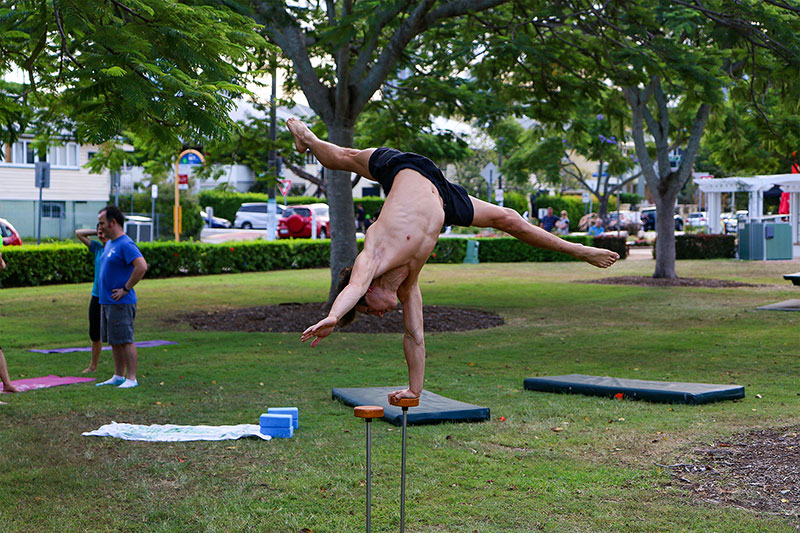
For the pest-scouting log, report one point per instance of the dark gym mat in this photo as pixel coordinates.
(432, 408)
(654, 391)
(788, 305)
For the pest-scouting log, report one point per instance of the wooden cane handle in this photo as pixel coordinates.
(368, 411)
(405, 402)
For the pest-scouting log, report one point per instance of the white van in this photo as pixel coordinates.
(254, 215)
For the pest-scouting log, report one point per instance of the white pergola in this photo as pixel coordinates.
(754, 186)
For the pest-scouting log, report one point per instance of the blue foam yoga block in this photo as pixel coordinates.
(270, 420)
(287, 411)
(278, 433)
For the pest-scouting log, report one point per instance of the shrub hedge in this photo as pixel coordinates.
(704, 246)
(47, 264)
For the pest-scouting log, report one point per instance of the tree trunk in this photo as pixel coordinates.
(665, 236)
(602, 207)
(340, 201)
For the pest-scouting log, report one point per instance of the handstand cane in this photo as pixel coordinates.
(405, 403)
(368, 412)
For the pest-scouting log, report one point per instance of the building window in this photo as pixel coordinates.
(64, 156)
(53, 209)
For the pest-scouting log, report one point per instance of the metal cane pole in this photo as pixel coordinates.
(404, 403)
(368, 412)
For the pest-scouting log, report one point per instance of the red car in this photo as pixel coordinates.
(9, 233)
(296, 221)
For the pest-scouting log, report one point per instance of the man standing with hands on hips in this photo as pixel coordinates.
(122, 267)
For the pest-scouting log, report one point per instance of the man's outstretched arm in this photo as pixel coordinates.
(413, 343)
(363, 272)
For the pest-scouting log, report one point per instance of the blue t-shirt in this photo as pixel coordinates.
(116, 267)
(594, 230)
(548, 222)
(97, 249)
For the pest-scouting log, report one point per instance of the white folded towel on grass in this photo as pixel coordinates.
(175, 433)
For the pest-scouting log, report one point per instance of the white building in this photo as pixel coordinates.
(73, 199)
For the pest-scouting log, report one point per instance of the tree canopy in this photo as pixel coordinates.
(670, 62)
(160, 68)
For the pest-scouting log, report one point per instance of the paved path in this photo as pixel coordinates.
(640, 253)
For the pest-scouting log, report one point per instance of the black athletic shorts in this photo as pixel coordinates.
(94, 319)
(385, 163)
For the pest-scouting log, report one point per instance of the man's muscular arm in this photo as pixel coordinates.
(413, 342)
(364, 270)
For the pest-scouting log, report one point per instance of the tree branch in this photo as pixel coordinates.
(64, 49)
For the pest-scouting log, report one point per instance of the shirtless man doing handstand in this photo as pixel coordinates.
(419, 201)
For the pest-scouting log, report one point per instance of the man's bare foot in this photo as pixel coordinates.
(9, 388)
(299, 131)
(89, 370)
(400, 394)
(599, 257)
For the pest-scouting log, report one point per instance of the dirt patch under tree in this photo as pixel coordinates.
(671, 282)
(296, 317)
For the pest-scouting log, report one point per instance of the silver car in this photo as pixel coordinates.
(254, 215)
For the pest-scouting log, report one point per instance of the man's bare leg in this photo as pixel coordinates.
(4, 377)
(97, 348)
(330, 155)
(492, 216)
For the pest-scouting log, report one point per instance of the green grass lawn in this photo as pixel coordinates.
(597, 474)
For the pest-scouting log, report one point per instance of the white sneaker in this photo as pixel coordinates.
(129, 384)
(115, 380)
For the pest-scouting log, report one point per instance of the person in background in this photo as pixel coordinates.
(4, 377)
(597, 229)
(361, 218)
(96, 248)
(121, 267)
(549, 220)
(562, 226)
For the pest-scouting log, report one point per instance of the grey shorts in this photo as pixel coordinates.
(116, 323)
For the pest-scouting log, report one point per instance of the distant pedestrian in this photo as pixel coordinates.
(361, 218)
(562, 226)
(549, 220)
(4, 377)
(597, 229)
(96, 248)
(122, 266)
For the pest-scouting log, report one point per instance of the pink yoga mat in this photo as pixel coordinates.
(44, 382)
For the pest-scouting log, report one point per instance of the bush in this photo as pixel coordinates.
(511, 250)
(611, 242)
(703, 246)
(72, 263)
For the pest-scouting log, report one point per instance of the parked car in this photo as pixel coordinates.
(697, 219)
(730, 223)
(296, 221)
(648, 218)
(253, 215)
(213, 221)
(9, 233)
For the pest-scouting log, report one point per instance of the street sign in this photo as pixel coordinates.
(285, 185)
(586, 198)
(498, 196)
(490, 173)
(42, 175)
